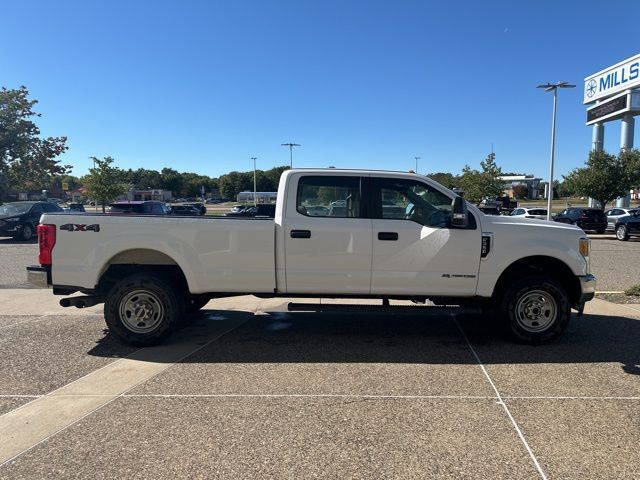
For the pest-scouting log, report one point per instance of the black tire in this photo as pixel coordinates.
(535, 309)
(25, 234)
(159, 307)
(195, 302)
(622, 233)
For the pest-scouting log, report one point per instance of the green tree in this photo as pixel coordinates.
(105, 182)
(605, 176)
(478, 184)
(26, 160)
(446, 179)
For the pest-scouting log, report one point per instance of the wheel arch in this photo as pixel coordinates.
(141, 260)
(539, 265)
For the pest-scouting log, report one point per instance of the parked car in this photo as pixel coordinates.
(613, 214)
(200, 208)
(539, 213)
(20, 219)
(213, 201)
(186, 210)
(75, 208)
(626, 226)
(149, 207)
(586, 218)
(260, 210)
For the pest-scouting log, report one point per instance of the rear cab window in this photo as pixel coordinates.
(329, 196)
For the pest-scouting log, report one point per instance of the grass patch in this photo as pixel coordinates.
(633, 291)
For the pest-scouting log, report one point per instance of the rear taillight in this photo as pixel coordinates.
(46, 241)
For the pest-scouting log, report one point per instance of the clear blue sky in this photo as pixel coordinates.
(204, 86)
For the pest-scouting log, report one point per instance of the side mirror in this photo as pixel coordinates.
(459, 214)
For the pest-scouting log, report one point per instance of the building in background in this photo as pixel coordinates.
(148, 194)
(532, 183)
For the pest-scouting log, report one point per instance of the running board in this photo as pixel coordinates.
(429, 310)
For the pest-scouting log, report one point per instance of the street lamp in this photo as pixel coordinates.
(548, 88)
(290, 145)
(255, 202)
(417, 158)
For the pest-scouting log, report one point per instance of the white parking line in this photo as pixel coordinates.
(501, 402)
(337, 395)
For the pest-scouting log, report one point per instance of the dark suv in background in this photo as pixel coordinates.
(586, 218)
(149, 207)
(20, 219)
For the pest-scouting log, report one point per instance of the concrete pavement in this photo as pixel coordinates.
(250, 390)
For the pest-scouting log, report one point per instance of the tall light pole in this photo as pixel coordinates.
(554, 88)
(255, 202)
(290, 145)
(417, 158)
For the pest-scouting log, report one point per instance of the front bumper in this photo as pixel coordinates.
(587, 288)
(39, 277)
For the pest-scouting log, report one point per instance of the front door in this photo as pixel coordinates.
(415, 252)
(327, 237)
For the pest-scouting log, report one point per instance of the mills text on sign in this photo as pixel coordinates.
(621, 76)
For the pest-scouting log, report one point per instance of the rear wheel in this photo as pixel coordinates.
(622, 233)
(141, 309)
(536, 309)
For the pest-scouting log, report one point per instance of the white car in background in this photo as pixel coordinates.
(539, 213)
(613, 214)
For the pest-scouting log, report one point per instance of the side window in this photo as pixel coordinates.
(36, 210)
(411, 200)
(329, 196)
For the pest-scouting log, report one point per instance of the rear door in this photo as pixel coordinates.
(415, 252)
(327, 236)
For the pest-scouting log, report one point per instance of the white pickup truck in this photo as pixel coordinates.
(336, 233)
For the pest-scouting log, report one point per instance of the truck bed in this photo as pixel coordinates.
(225, 254)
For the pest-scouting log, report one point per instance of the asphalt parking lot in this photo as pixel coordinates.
(249, 390)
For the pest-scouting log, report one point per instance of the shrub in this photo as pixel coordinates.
(633, 291)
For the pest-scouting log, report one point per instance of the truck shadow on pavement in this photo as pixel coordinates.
(303, 337)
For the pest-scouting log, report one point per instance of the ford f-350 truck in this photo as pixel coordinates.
(336, 233)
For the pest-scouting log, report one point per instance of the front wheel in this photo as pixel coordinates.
(622, 233)
(536, 309)
(26, 233)
(141, 309)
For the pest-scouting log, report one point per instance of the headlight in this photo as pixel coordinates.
(584, 247)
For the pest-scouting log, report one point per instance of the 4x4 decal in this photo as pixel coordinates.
(75, 227)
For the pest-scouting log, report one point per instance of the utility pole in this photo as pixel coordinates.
(553, 87)
(417, 158)
(290, 145)
(255, 202)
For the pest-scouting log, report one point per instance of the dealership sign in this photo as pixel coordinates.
(614, 108)
(622, 76)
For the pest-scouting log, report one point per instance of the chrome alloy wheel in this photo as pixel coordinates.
(141, 311)
(536, 311)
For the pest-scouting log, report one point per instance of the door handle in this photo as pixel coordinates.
(393, 236)
(300, 233)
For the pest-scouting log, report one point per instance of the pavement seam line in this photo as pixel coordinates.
(501, 402)
(115, 397)
(36, 319)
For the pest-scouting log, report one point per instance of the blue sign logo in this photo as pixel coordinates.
(591, 88)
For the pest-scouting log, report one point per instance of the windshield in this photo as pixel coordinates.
(14, 208)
